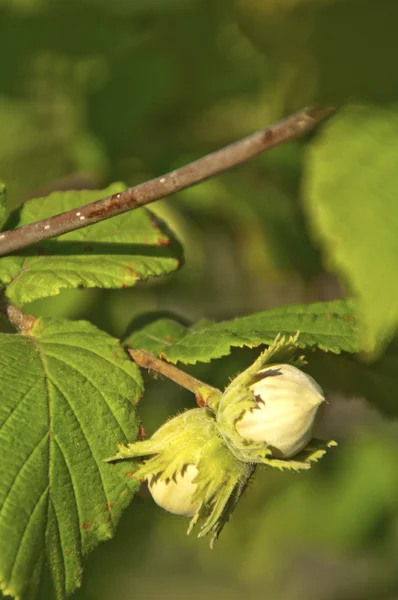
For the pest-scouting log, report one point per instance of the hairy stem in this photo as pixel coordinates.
(226, 158)
(205, 394)
(21, 321)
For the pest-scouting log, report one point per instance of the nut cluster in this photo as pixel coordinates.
(199, 463)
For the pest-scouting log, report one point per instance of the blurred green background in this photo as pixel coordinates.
(93, 91)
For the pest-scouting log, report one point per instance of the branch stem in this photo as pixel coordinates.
(212, 164)
(205, 394)
(20, 320)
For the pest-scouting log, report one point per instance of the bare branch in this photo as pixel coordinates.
(21, 321)
(212, 164)
(204, 394)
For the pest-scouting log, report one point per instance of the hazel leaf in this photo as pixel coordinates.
(115, 253)
(329, 326)
(350, 192)
(67, 392)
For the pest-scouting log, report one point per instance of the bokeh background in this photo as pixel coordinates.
(93, 91)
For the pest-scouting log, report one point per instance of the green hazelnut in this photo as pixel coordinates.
(190, 471)
(267, 414)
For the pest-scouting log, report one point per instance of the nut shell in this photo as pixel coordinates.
(175, 495)
(283, 418)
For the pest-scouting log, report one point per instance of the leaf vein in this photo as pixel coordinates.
(74, 368)
(15, 560)
(80, 548)
(56, 385)
(26, 461)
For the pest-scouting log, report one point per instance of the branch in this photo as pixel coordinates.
(212, 164)
(20, 320)
(205, 394)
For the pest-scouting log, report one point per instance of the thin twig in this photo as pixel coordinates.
(212, 164)
(21, 321)
(205, 394)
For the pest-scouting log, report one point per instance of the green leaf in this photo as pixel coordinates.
(376, 381)
(350, 189)
(3, 204)
(67, 395)
(114, 253)
(330, 326)
(327, 50)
